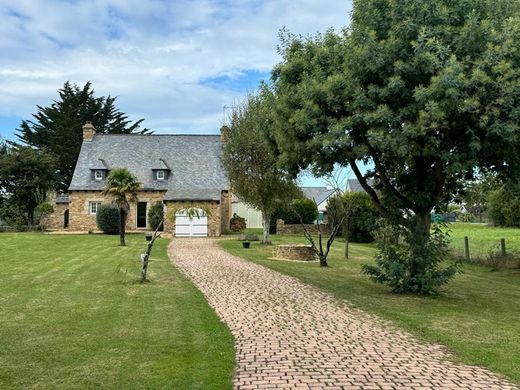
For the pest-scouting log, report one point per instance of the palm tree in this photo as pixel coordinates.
(122, 187)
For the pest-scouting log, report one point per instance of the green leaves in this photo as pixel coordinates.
(26, 177)
(121, 186)
(425, 92)
(57, 127)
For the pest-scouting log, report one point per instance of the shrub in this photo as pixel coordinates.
(413, 268)
(362, 218)
(237, 223)
(304, 208)
(504, 207)
(291, 212)
(107, 218)
(14, 217)
(156, 216)
(43, 212)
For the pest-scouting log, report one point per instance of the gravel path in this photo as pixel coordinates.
(293, 336)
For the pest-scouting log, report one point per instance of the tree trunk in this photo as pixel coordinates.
(122, 223)
(419, 240)
(267, 221)
(30, 217)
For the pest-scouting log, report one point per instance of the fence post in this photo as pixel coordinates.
(503, 247)
(466, 248)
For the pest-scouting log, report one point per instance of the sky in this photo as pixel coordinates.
(176, 63)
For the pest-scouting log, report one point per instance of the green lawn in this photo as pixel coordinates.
(69, 320)
(477, 315)
(483, 239)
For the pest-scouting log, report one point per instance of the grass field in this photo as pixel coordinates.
(483, 239)
(68, 320)
(476, 316)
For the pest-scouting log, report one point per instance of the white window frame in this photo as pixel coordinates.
(96, 174)
(91, 210)
(162, 173)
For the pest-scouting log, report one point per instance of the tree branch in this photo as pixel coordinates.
(386, 182)
(372, 193)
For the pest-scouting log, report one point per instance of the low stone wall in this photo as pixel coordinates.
(283, 228)
(295, 252)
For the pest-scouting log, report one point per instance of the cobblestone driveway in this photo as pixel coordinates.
(291, 335)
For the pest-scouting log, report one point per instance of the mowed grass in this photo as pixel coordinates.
(477, 316)
(70, 320)
(483, 239)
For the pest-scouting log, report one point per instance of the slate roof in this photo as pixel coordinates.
(318, 194)
(312, 192)
(354, 186)
(62, 198)
(193, 161)
(324, 196)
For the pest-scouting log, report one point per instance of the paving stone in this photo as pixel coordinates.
(291, 335)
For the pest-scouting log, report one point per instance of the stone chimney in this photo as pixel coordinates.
(88, 131)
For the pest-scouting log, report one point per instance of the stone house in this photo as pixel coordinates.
(174, 170)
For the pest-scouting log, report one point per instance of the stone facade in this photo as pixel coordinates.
(56, 220)
(225, 211)
(283, 228)
(80, 218)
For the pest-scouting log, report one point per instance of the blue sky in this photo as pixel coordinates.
(175, 63)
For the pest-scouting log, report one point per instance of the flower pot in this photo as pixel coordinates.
(246, 244)
(148, 237)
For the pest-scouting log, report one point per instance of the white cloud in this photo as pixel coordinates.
(152, 54)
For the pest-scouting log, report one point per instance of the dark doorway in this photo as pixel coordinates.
(66, 219)
(141, 214)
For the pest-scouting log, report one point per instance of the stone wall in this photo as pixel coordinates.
(214, 220)
(295, 252)
(225, 211)
(81, 220)
(283, 228)
(57, 219)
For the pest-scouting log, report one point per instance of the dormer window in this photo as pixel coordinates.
(98, 174)
(160, 175)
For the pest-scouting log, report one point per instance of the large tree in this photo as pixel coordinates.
(421, 92)
(57, 127)
(26, 177)
(250, 160)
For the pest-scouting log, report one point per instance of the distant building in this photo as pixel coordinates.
(353, 185)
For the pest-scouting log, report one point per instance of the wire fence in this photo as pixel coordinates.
(491, 252)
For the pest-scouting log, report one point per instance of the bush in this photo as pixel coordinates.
(42, 213)
(107, 218)
(362, 218)
(156, 216)
(304, 208)
(291, 212)
(396, 266)
(504, 207)
(237, 223)
(14, 217)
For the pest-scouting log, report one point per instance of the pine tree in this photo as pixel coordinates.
(57, 128)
